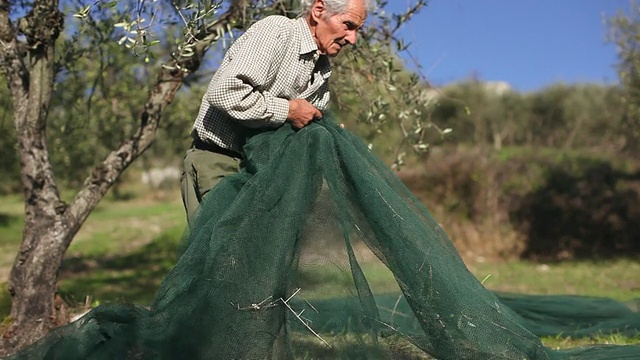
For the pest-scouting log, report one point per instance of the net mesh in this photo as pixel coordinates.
(292, 258)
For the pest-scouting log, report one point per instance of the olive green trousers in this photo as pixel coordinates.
(202, 171)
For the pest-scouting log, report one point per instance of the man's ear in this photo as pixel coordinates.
(318, 10)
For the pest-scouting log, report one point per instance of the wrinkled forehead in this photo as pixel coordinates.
(355, 12)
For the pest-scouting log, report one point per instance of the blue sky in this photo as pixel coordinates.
(527, 43)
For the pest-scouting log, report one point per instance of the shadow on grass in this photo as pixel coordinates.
(130, 278)
(6, 219)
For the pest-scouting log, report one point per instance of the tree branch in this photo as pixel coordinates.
(170, 79)
(10, 57)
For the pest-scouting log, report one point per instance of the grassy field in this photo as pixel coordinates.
(126, 248)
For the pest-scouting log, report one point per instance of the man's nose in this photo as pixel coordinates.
(351, 37)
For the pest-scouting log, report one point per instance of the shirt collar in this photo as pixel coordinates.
(307, 43)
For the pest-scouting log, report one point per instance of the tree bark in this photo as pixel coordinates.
(29, 72)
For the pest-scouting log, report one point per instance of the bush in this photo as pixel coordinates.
(532, 203)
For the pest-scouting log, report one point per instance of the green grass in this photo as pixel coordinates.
(127, 278)
(616, 279)
(117, 226)
(114, 227)
(11, 221)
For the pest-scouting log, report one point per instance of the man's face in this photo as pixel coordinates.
(333, 31)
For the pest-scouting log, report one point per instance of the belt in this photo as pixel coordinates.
(201, 145)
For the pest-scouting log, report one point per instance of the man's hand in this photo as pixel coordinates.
(301, 113)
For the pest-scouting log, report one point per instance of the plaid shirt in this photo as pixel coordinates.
(274, 61)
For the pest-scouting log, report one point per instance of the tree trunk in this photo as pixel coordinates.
(29, 72)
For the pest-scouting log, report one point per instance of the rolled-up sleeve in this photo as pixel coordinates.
(239, 90)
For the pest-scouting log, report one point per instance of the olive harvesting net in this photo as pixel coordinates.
(288, 259)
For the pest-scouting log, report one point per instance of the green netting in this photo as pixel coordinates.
(285, 261)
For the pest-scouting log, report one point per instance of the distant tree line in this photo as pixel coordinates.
(560, 116)
(567, 117)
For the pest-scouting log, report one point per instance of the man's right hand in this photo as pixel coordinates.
(301, 113)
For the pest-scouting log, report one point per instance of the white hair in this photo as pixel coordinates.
(335, 6)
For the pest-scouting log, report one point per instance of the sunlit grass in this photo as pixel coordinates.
(122, 226)
(616, 279)
(114, 227)
(563, 342)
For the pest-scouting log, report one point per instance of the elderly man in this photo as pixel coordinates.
(276, 72)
